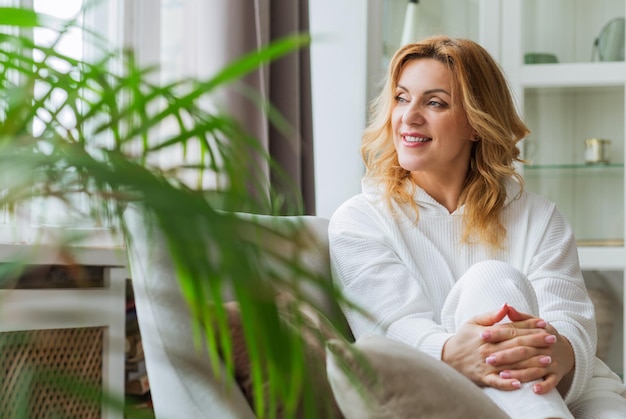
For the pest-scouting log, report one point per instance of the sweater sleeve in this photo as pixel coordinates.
(563, 299)
(389, 300)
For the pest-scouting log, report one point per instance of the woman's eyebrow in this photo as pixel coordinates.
(427, 92)
(438, 90)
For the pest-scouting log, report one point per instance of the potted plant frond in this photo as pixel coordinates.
(76, 130)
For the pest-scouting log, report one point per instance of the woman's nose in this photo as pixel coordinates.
(412, 114)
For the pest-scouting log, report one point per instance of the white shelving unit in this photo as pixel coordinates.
(564, 103)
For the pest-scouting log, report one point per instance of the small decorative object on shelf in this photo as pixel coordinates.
(540, 58)
(610, 43)
(410, 23)
(597, 151)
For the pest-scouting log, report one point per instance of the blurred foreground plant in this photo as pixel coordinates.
(73, 130)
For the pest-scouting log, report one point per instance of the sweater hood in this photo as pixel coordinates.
(373, 188)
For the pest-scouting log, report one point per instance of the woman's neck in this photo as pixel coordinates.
(445, 191)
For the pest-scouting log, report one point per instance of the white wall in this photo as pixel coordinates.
(339, 72)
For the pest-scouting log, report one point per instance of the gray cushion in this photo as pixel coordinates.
(398, 381)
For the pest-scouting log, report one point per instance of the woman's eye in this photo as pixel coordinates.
(401, 99)
(436, 104)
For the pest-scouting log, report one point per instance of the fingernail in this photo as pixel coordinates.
(485, 335)
(505, 374)
(537, 388)
(550, 339)
(490, 360)
(516, 384)
(545, 360)
(541, 324)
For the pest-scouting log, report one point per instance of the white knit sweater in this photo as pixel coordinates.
(401, 272)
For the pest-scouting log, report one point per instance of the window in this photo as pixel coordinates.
(27, 223)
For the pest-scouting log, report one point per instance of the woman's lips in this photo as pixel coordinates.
(415, 140)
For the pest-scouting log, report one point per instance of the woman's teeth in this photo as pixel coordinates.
(416, 139)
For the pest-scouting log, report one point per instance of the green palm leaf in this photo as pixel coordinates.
(98, 138)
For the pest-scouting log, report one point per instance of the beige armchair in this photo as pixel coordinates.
(182, 382)
(184, 385)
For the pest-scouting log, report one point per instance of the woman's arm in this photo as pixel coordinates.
(368, 270)
(552, 266)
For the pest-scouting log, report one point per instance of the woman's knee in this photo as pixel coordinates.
(499, 283)
(493, 270)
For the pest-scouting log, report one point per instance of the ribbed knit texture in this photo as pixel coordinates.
(401, 273)
(484, 288)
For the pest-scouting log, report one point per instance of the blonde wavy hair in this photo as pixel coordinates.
(491, 112)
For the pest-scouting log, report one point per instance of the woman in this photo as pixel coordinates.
(446, 251)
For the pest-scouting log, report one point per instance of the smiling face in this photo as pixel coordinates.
(431, 133)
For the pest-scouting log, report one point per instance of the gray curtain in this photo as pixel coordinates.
(200, 37)
(285, 84)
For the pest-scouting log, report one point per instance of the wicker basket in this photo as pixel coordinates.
(51, 373)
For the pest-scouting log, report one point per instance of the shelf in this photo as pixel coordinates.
(601, 257)
(590, 197)
(601, 243)
(603, 172)
(573, 74)
(585, 167)
(567, 29)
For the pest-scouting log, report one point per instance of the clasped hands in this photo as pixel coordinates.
(504, 355)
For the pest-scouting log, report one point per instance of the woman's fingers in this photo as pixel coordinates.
(491, 318)
(520, 324)
(535, 337)
(549, 383)
(495, 381)
(524, 350)
(519, 357)
(543, 385)
(515, 331)
(515, 315)
(511, 353)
